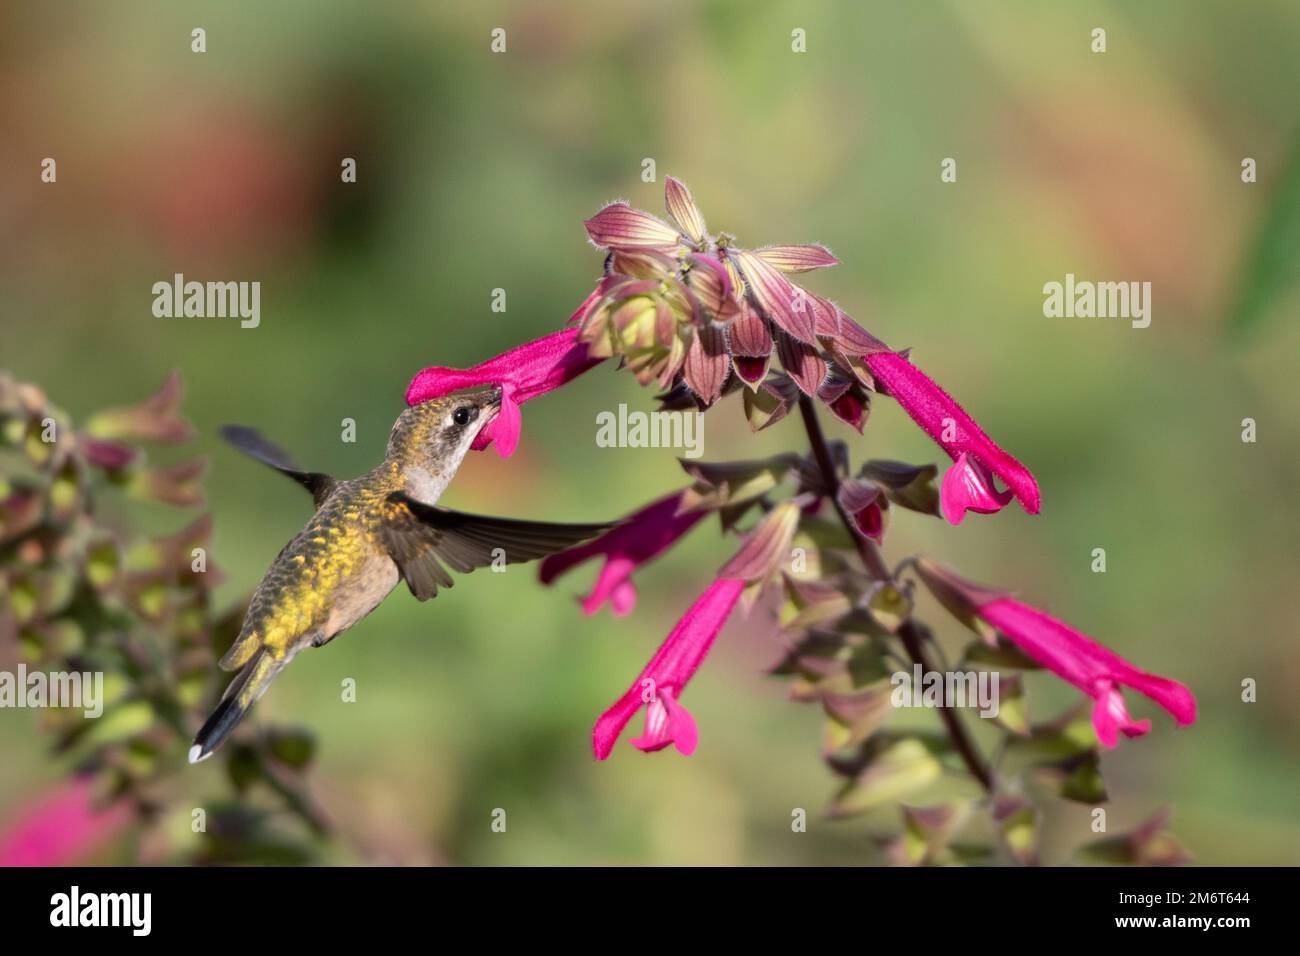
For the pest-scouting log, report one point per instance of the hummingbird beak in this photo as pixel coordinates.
(492, 405)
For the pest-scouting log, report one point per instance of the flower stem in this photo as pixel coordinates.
(912, 637)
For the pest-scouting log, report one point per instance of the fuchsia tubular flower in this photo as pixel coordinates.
(61, 829)
(532, 369)
(638, 539)
(1095, 670)
(661, 682)
(1070, 654)
(968, 485)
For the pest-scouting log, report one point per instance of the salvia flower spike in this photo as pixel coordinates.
(701, 316)
(683, 307)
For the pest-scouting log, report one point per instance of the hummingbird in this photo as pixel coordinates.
(367, 534)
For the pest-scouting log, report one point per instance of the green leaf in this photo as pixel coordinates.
(1013, 706)
(1084, 784)
(1149, 844)
(810, 603)
(854, 716)
(725, 483)
(1069, 736)
(1003, 655)
(926, 832)
(771, 403)
(911, 486)
(122, 722)
(893, 772)
(1017, 821)
(889, 606)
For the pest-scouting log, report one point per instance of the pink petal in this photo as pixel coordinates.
(533, 368)
(802, 363)
(505, 428)
(614, 574)
(623, 599)
(750, 344)
(681, 726)
(61, 829)
(620, 226)
(706, 367)
(682, 209)
(668, 722)
(673, 664)
(525, 372)
(968, 486)
(1110, 716)
(604, 735)
(776, 296)
(948, 424)
(638, 539)
(710, 282)
(798, 258)
(1094, 669)
(831, 323)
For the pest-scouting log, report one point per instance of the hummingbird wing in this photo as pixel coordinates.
(257, 446)
(421, 538)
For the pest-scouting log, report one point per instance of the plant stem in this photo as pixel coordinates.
(912, 637)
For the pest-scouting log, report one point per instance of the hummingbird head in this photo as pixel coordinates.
(429, 440)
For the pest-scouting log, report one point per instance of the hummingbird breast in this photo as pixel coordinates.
(332, 574)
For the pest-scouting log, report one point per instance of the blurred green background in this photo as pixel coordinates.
(475, 171)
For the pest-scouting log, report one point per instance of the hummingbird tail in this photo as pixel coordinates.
(249, 684)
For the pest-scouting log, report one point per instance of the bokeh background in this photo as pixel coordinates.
(475, 171)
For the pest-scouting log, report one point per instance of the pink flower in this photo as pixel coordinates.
(1094, 669)
(660, 685)
(61, 829)
(525, 372)
(968, 485)
(619, 226)
(638, 539)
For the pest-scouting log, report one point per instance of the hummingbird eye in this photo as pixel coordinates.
(462, 415)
